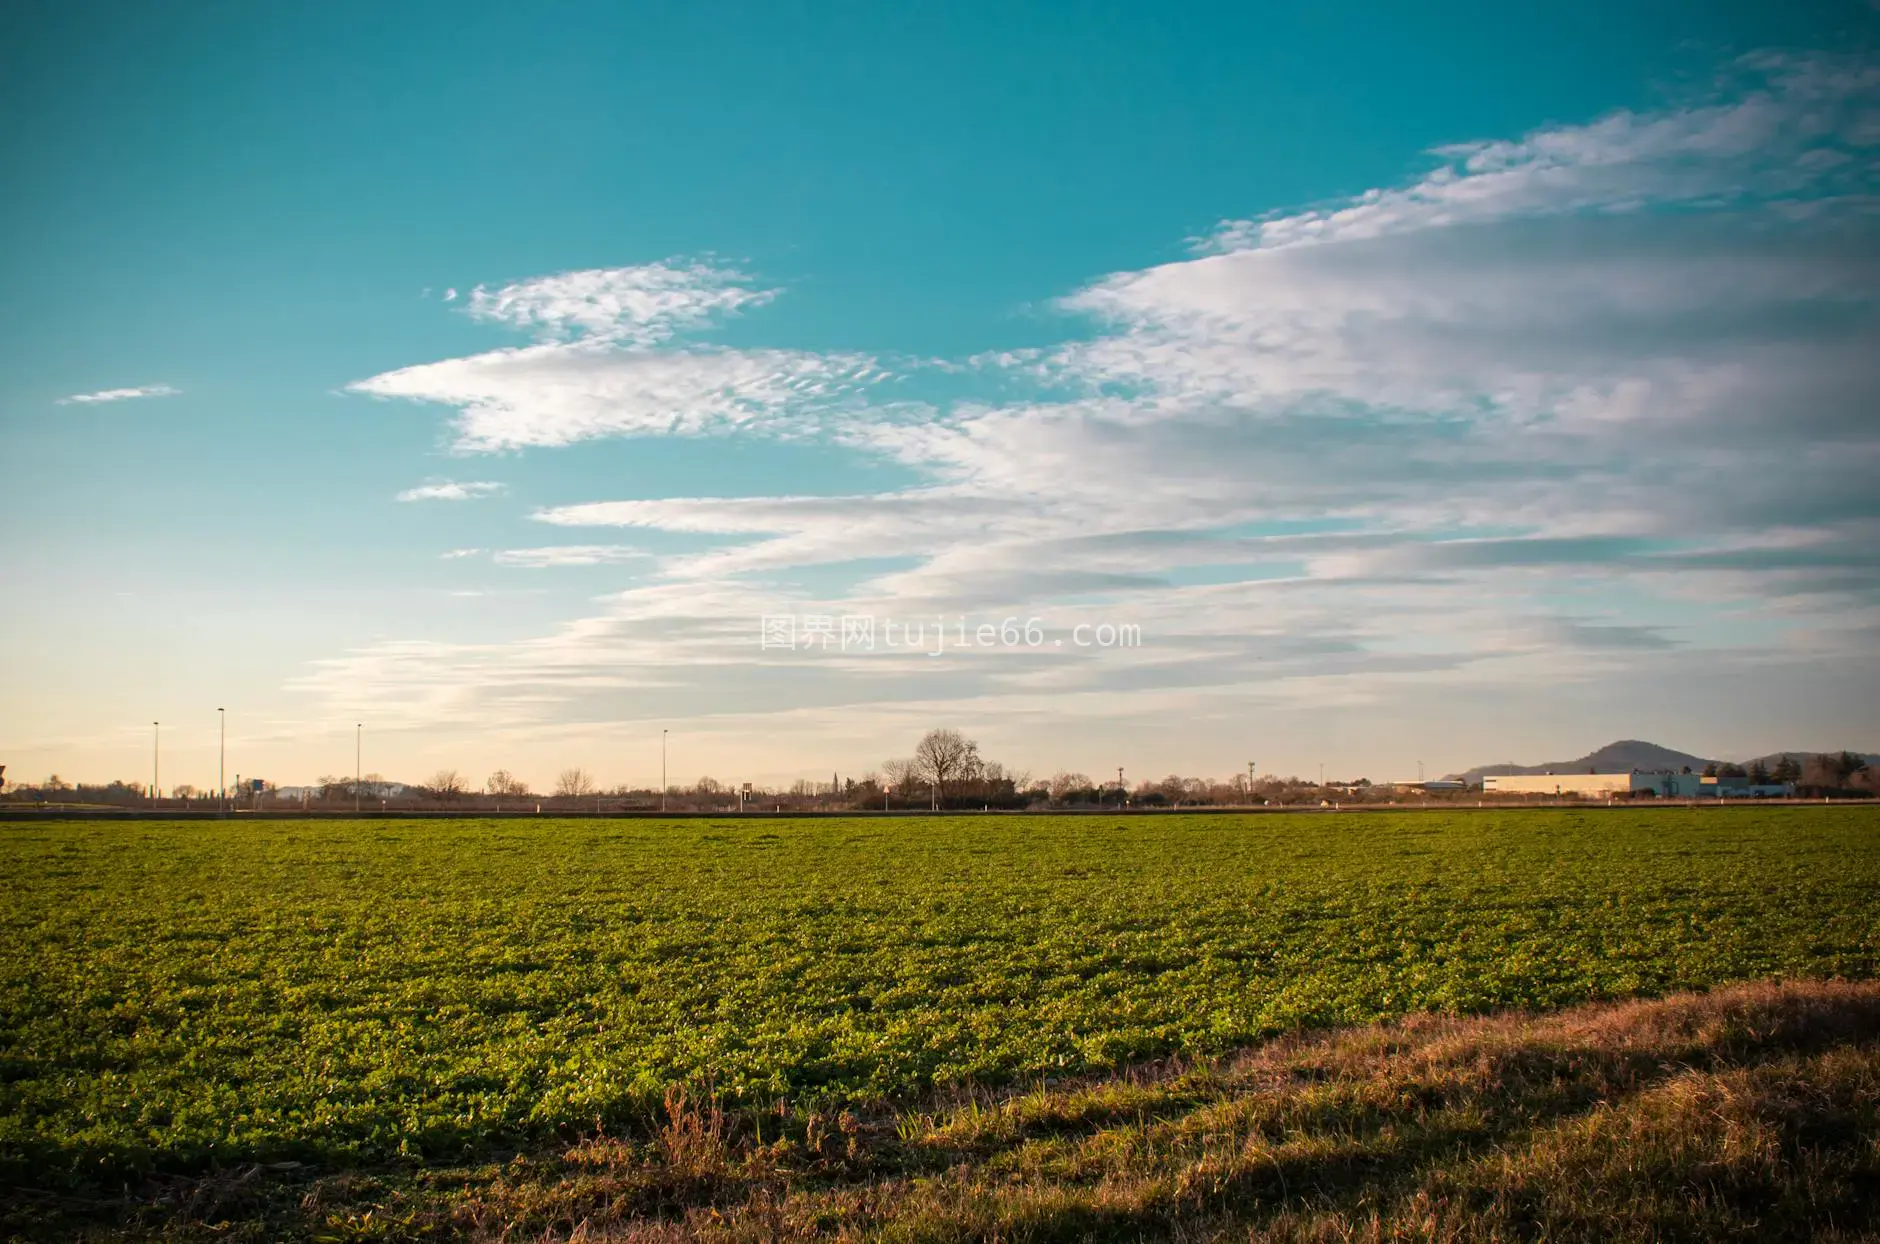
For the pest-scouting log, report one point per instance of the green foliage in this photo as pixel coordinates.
(175, 997)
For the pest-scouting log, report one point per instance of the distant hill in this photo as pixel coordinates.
(1621, 757)
(1627, 755)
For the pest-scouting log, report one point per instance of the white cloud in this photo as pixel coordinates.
(453, 490)
(605, 365)
(450, 295)
(642, 306)
(119, 395)
(569, 555)
(562, 393)
(459, 554)
(1759, 142)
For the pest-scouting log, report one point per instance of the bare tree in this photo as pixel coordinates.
(944, 756)
(447, 784)
(574, 782)
(503, 782)
(898, 774)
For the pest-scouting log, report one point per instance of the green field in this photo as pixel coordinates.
(176, 997)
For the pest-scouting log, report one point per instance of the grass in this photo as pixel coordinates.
(771, 1027)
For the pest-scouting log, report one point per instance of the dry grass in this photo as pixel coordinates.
(1748, 1113)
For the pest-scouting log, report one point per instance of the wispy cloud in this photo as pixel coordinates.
(560, 394)
(119, 395)
(640, 306)
(569, 555)
(606, 365)
(453, 490)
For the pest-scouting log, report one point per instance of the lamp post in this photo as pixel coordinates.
(358, 772)
(662, 770)
(156, 762)
(221, 763)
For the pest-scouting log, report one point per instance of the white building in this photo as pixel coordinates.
(1629, 785)
(1597, 785)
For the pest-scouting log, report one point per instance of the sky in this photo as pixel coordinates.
(503, 386)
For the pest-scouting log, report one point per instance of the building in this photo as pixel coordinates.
(1632, 785)
(1585, 785)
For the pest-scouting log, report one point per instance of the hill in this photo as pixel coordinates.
(1629, 754)
(1621, 757)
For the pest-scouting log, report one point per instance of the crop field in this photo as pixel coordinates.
(181, 999)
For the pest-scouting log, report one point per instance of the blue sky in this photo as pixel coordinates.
(1453, 385)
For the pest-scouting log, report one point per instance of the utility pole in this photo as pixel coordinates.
(359, 728)
(221, 764)
(1249, 781)
(662, 769)
(156, 762)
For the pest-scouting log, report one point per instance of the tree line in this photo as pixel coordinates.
(946, 770)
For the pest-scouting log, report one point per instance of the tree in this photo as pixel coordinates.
(1758, 773)
(573, 783)
(447, 784)
(503, 782)
(899, 775)
(1062, 784)
(1832, 771)
(1788, 769)
(944, 756)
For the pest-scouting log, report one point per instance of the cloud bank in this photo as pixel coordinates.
(1599, 398)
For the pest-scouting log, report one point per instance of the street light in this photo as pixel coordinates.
(221, 763)
(662, 770)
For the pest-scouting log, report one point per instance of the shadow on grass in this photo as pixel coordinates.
(1745, 1113)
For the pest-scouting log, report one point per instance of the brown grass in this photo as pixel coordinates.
(1749, 1113)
